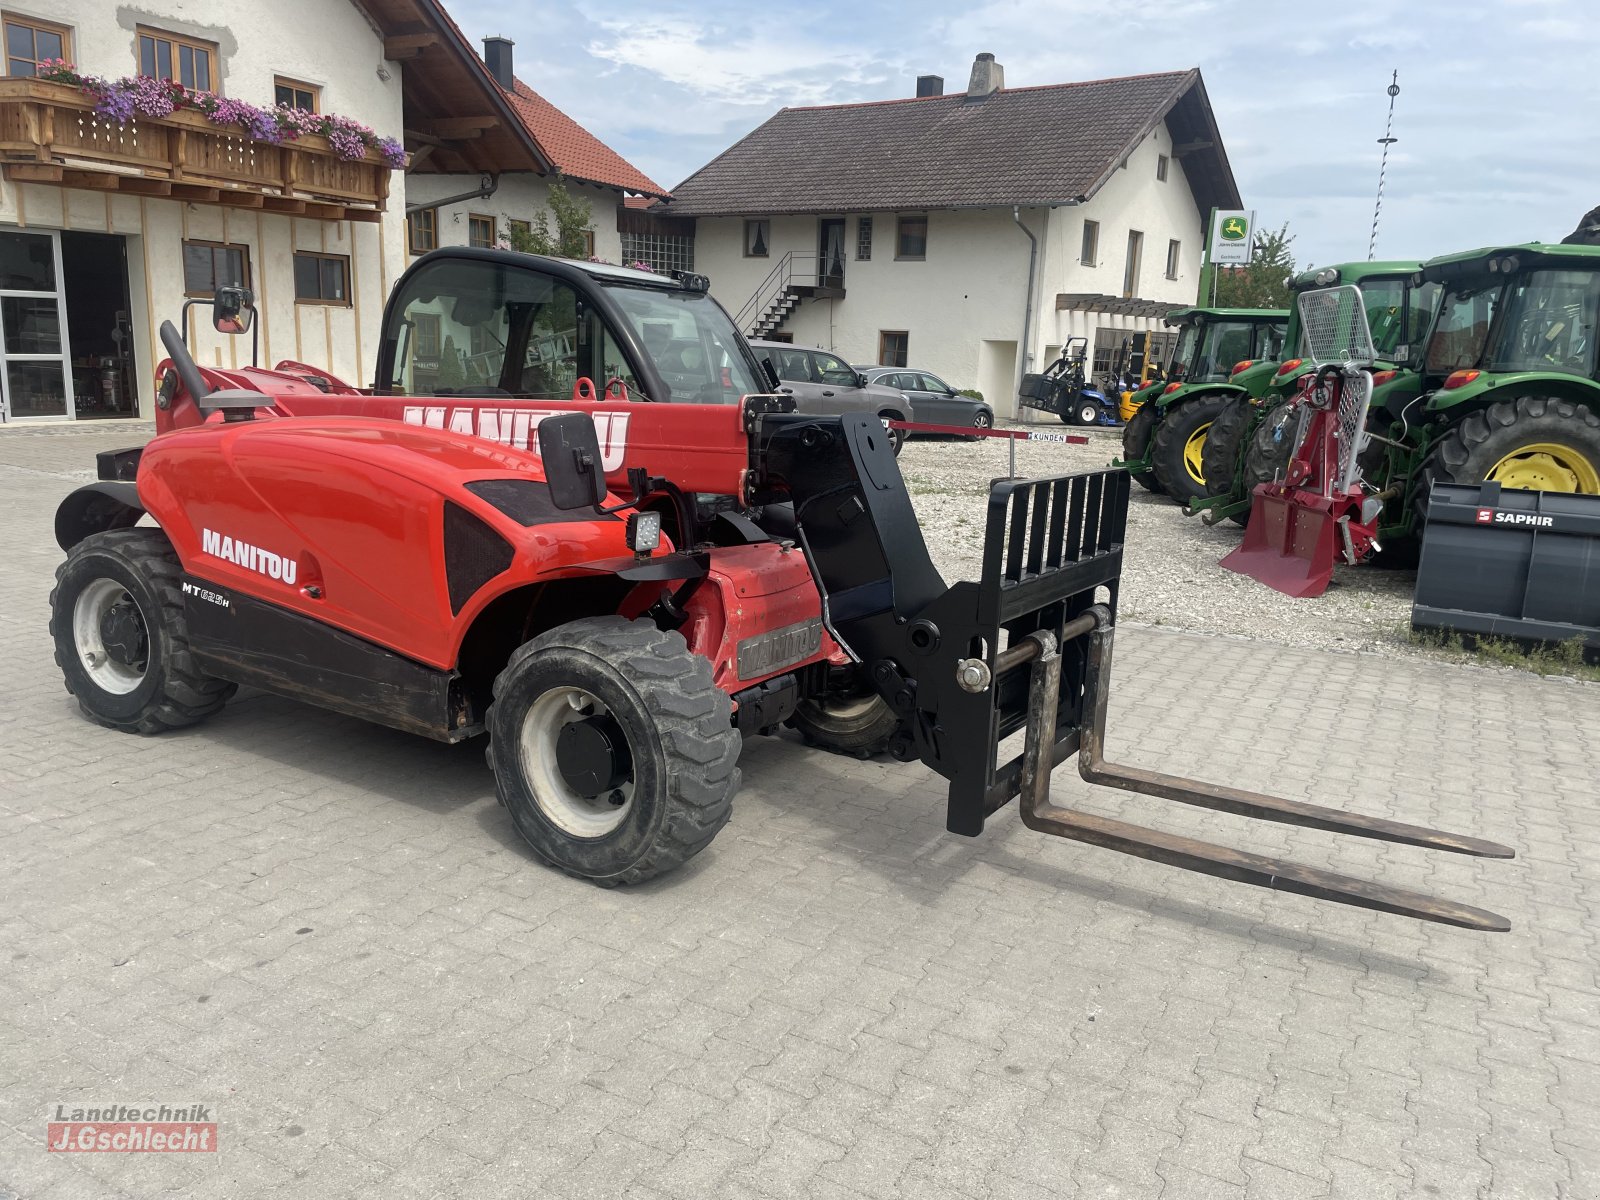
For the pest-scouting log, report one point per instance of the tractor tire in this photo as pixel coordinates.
(121, 637)
(852, 719)
(1082, 412)
(1179, 444)
(1535, 442)
(1271, 445)
(1136, 440)
(612, 749)
(1219, 460)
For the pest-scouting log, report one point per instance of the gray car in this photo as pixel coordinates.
(822, 382)
(932, 399)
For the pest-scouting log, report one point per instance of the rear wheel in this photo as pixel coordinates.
(1225, 442)
(1136, 441)
(121, 638)
(1179, 446)
(612, 749)
(1533, 442)
(1082, 412)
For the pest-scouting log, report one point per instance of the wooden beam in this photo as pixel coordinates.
(242, 199)
(195, 191)
(418, 157)
(324, 212)
(370, 215)
(34, 172)
(279, 204)
(144, 186)
(408, 45)
(457, 128)
(99, 181)
(1183, 148)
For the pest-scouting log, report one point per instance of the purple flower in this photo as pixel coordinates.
(149, 97)
(393, 152)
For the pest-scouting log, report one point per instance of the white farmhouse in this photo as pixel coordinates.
(971, 234)
(461, 205)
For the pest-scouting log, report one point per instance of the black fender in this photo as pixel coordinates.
(95, 508)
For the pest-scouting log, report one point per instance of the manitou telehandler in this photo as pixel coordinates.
(606, 548)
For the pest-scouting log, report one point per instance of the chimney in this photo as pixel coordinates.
(988, 77)
(930, 85)
(497, 57)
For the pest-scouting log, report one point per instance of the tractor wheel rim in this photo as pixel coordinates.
(118, 667)
(1548, 467)
(1192, 449)
(567, 808)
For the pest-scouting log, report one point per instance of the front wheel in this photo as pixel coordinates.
(612, 749)
(1225, 444)
(981, 420)
(121, 638)
(1136, 443)
(897, 437)
(850, 718)
(1179, 446)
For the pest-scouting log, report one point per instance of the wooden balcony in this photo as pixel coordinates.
(50, 133)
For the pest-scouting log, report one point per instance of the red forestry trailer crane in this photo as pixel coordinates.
(615, 589)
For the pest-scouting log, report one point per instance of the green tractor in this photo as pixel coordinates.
(1507, 386)
(1251, 438)
(1163, 442)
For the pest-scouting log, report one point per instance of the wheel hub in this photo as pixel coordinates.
(592, 756)
(123, 634)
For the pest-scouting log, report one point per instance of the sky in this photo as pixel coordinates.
(1498, 140)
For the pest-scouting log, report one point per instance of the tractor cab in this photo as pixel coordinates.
(1511, 311)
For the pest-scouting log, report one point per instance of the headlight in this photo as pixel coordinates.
(644, 531)
(1326, 276)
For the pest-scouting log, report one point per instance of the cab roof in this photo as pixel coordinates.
(1354, 272)
(1472, 262)
(1182, 316)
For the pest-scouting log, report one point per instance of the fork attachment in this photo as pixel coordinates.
(1026, 649)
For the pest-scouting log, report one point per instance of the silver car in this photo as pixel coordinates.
(822, 382)
(932, 399)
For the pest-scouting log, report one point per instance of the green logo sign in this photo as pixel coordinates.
(1234, 229)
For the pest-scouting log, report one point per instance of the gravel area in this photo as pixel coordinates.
(1170, 574)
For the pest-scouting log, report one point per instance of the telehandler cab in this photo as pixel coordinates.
(593, 538)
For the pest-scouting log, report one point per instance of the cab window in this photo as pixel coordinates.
(834, 370)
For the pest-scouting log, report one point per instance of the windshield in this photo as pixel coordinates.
(1462, 328)
(1225, 343)
(696, 350)
(1548, 323)
(1188, 339)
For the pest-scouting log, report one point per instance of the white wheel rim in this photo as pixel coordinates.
(575, 814)
(88, 612)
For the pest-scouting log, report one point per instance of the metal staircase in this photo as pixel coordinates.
(794, 279)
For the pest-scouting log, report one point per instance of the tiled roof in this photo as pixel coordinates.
(576, 152)
(1020, 146)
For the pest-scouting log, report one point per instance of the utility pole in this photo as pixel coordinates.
(1388, 139)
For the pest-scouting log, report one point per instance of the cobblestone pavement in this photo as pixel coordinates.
(329, 932)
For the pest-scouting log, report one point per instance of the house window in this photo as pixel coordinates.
(1130, 273)
(1174, 249)
(321, 278)
(426, 328)
(863, 238)
(1161, 168)
(588, 243)
(184, 60)
(210, 265)
(757, 238)
(307, 97)
(911, 240)
(480, 230)
(422, 230)
(1090, 254)
(29, 42)
(664, 252)
(892, 346)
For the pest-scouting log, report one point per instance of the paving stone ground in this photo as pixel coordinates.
(329, 932)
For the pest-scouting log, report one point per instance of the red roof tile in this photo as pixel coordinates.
(576, 152)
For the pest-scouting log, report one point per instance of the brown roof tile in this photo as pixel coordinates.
(576, 152)
(1026, 146)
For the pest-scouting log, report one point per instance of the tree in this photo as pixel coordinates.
(572, 215)
(1264, 283)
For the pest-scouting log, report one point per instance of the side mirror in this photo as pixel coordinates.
(231, 309)
(861, 380)
(570, 449)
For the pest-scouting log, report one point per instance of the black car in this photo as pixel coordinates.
(933, 400)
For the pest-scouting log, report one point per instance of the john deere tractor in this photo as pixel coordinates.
(1163, 443)
(1250, 440)
(1507, 387)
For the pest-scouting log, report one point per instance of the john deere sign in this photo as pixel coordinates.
(1231, 237)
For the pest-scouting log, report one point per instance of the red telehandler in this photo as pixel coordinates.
(568, 517)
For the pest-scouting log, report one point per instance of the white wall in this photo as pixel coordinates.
(971, 288)
(519, 197)
(254, 42)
